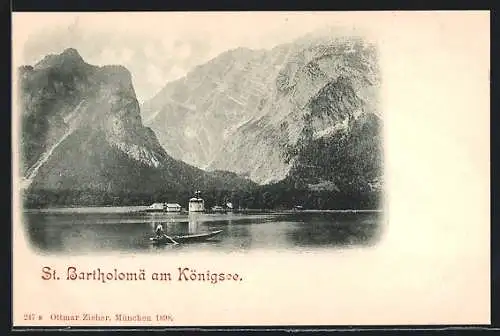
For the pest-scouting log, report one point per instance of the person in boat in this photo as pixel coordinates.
(160, 233)
(159, 230)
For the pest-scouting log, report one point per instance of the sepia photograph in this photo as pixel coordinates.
(167, 163)
(273, 144)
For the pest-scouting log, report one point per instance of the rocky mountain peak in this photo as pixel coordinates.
(248, 111)
(83, 137)
(71, 53)
(67, 59)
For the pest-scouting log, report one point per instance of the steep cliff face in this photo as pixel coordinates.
(82, 130)
(262, 113)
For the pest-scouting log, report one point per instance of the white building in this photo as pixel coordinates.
(157, 206)
(173, 207)
(196, 203)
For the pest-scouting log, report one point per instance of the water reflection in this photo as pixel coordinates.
(194, 221)
(341, 230)
(130, 232)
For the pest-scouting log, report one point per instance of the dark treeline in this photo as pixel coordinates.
(277, 197)
(285, 196)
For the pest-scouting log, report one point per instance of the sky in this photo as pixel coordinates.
(158, 47)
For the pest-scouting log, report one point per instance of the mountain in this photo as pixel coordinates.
(82, 136)
(304, 114)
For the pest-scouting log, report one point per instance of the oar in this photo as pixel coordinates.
(171, 239)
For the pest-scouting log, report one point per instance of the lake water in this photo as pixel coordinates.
(87, 230)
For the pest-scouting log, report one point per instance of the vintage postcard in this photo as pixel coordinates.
(251, 168)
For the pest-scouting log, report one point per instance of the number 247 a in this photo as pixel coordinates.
(31, 317)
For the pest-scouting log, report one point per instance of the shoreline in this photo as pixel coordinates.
(143, 210)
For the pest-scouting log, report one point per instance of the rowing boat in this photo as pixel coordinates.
(186, 238)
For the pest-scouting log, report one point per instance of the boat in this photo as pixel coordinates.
(191, 238)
